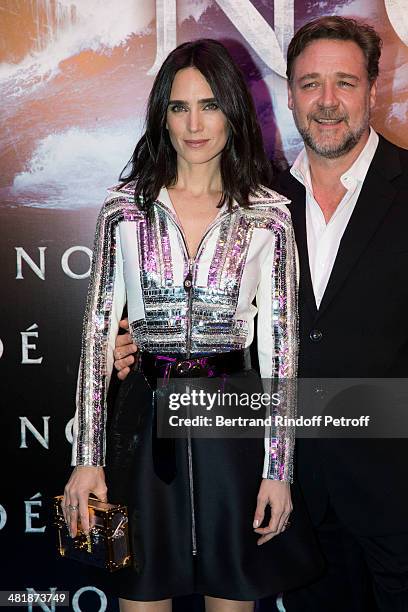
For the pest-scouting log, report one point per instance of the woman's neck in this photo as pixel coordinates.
(199, 179)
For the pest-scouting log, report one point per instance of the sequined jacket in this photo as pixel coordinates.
(141, 258)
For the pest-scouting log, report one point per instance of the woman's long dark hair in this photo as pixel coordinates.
(244, 165)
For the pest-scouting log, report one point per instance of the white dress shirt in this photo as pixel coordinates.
(323, 239)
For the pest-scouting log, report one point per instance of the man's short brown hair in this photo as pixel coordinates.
(337, 28)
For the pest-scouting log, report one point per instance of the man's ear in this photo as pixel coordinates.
(290, 96)
(373, 94)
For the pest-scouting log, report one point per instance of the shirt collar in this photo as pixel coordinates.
(355, 174)
(165, 199)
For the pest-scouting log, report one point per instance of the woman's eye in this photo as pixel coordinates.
(177, 108)
(211, 106)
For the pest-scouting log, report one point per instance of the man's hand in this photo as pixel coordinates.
(124, 349)
(276, 493)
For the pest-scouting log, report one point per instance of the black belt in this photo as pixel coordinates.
(154, 366)
(179, 366)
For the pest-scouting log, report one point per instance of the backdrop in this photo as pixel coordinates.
(74, 78)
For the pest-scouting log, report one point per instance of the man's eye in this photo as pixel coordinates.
(177, 108)
(311, 85)
(211, 106)
(346, 84)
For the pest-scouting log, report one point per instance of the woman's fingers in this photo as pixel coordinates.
(63, 508)
(277, 525)
(259, 511)
(277, 495)
(83, 480)
(284, 521)
(276, 514)
(265, 538)
(272, 528)
(73, 513)
(78, 511)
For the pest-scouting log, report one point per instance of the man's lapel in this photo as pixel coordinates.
(374, 200)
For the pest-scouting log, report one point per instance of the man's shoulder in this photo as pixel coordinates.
(401, 151)
(284, 176)
(385, 143)
(390, 159)
(286, 184)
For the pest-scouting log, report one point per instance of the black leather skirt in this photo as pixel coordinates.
(191, 504)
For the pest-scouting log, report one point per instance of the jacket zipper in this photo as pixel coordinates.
(188, 286)
(191, 490)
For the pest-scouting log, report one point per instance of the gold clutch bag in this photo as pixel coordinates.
(106, 546)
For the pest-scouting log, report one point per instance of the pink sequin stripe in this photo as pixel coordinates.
(285, 338)
(220, 252)
(238, 245)
(147, 250)
(163, 244)
(92, 374)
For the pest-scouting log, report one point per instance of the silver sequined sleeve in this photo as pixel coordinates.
(278, 343)
(104, 307)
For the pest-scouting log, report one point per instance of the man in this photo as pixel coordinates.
(349, 192)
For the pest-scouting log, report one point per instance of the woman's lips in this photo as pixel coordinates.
(196, 144)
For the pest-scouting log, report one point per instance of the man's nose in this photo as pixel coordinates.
(328, 98)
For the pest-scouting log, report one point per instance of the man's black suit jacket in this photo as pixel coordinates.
(360, 330)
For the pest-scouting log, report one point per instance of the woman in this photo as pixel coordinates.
(188, 240)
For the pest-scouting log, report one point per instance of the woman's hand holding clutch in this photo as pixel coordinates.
(85, 479)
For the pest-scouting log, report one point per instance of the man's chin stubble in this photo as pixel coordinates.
(331, 152)
(350, 140)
